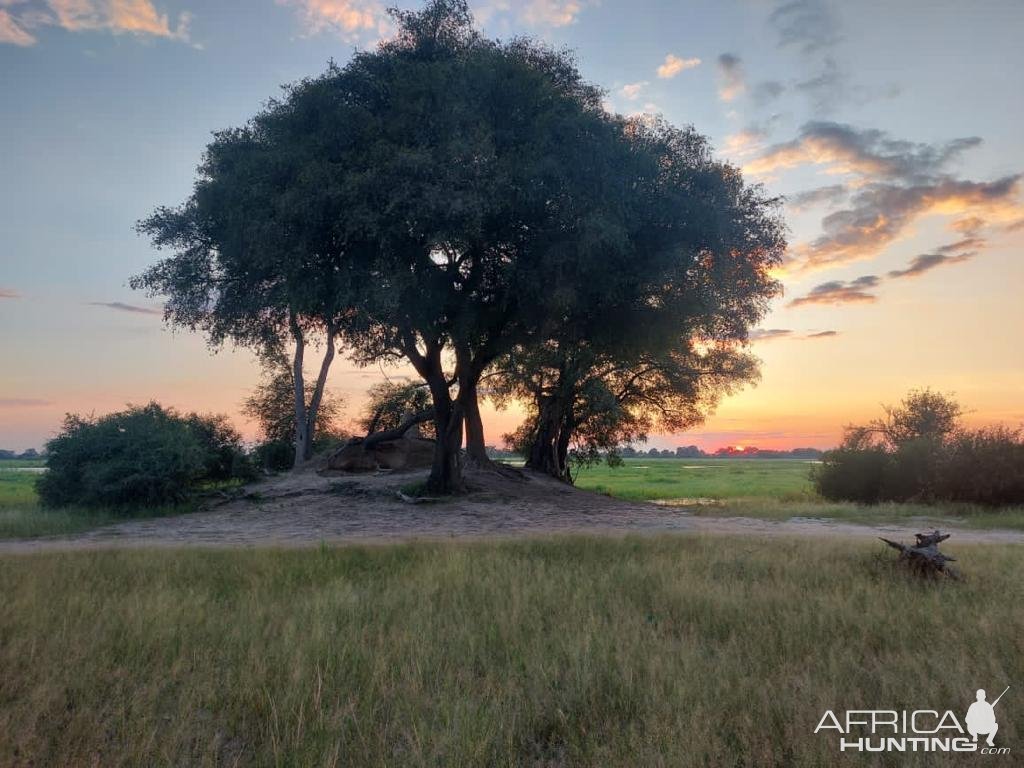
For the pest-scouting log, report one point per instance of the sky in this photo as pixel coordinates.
(892, 130)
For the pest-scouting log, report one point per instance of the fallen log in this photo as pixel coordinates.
(924, 558)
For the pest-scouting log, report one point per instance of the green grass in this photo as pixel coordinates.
(17, 488)
(968, 515)
(21, 516)
(21, 463)
(770, 489)
(671, 651)
(652, 479)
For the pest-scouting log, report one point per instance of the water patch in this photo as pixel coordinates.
(690, 502)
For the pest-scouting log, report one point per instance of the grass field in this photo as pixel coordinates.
(22, 517)
(672, 651)
(653, 479)
(769, 489)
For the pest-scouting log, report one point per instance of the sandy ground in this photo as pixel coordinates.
(307, 508)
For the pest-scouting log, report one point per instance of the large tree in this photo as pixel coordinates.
(255, 256)
(489, 170)
(447, 200)
(664, 338)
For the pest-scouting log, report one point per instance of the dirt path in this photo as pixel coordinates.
(307, 508)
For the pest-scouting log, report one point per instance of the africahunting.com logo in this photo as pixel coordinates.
(920, 730)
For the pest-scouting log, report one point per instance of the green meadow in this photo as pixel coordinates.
(663, 651)
(22, 517)
(642, 479)
(770, 489)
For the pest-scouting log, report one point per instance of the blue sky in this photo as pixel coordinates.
(903, 120)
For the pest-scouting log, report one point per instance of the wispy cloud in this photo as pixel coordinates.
(137, 17)
(842, 148)
(552, 13)
(632, 91)
(12, 32)
(895, 182)
(826, 88)
(351, 20)
(769, 334)
(778, 334)
(731, 79)
(880, 213)
(929, 261)
(22, 402)
(535, 13)
(673, 65)
(830, 194)
(809, 25)
(766, 92)
(120, 306)
(9, 293)
(840, 292)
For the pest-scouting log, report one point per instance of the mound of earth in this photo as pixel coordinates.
(403, 453)
(311, 506)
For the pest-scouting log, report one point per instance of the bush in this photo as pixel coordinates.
(221, 445)
(142, 456)
(985, 466)
(274, 455)
(852, 474)
(919, 453)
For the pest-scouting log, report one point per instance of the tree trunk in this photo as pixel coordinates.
(410, 421)
(318, 395)
(301, 425)
(446, 472)
(924, 558)
(546, 451)
(476, 450)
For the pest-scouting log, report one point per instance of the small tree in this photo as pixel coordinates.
(920, 452)
(921, 415)
(391, 402)
(271, 406)
(257, 260)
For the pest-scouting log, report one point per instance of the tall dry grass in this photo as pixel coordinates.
(580, 651)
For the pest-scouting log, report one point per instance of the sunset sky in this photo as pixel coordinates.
(892, 128)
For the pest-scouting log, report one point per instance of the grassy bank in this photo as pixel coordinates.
(603, 652)
(771, 489)
(21, 516)
(654, 479)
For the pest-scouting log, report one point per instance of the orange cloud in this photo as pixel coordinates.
(552, 13)
(840, 292)
(673, 65)
(881, 213)
(11, 32)
(138, 17)
(632, 91)
(349, 19)
(869, 153)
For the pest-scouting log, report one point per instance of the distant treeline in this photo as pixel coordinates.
(30, 454)
(693, 452)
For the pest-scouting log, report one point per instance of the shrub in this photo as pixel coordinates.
(274, 455)
(142, 456)
(221, 445)
(852, 474)
(984, 466)
(920, 453)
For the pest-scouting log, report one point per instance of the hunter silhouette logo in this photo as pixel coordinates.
(919, 730)
(981, 717)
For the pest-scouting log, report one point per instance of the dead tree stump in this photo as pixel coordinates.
(924, 558)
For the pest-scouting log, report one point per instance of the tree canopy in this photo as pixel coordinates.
(468, 206)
